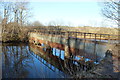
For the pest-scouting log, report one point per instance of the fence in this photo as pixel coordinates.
(80, 35)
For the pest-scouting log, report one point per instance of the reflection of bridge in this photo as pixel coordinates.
(73, 42)
(53, 61)
(50, 58)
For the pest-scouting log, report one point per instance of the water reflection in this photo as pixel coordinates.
(56, 58)
(20, 62)
(15, 61)
(36, 61)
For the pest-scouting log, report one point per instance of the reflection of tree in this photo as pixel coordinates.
(16, 59)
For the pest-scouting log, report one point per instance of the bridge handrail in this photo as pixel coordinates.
(70, 32)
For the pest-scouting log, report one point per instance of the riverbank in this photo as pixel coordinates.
(22, 35)
(13, 36)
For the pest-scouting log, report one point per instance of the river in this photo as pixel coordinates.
(18, 61)
(29, 61)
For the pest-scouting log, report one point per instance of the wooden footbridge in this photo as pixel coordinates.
(70, 41)
(73, 34)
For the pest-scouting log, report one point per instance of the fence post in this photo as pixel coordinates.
(90, 35)
(95, 37)
(85, 36)
(67, 45)
(108, 38)
(100, 37)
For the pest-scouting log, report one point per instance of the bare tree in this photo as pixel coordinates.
(21, 12)
(0, 19)
(15, 14)
(6, 7)
(110, 9)
(24, 12)
(15, 11)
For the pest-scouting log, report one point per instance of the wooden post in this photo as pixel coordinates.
(76, 35)
(81, 35)
(95, 37)
(100, 37)
(109, 39)
(85, 36)
(75, 43)
(90, 35)
(67, 53)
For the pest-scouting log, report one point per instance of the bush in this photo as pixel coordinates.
(14, 33)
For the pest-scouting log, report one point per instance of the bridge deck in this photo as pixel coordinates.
(80, 35)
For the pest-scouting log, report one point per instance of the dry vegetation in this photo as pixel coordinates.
(15, 33)
(99, 30)
(86, 29)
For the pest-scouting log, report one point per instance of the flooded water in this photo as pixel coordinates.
(31, 61)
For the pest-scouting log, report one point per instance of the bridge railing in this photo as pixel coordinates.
(72, 34)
